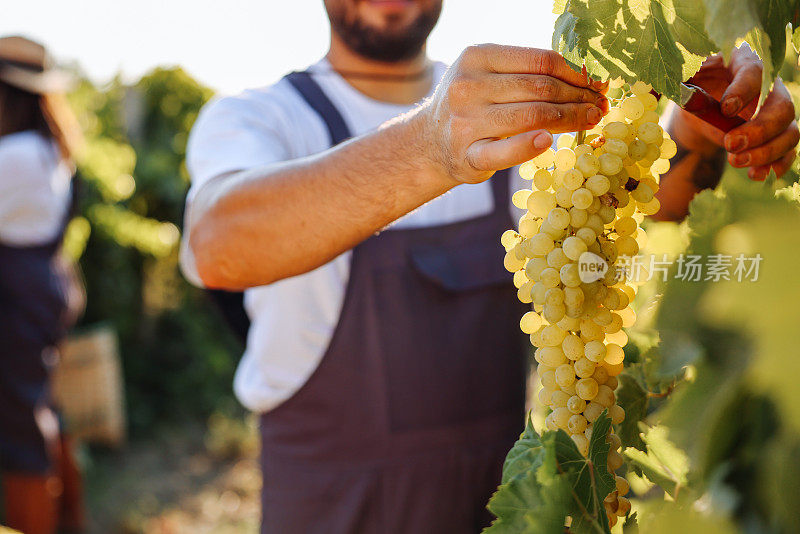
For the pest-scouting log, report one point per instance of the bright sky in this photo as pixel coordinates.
(234, 44)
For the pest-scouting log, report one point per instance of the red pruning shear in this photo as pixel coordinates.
(702, 105)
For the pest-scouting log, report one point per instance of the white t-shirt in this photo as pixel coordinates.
(292, 320)
(34, 189)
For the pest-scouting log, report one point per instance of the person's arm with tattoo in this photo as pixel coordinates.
(766, 141)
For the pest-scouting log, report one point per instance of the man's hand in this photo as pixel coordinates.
(496, 105)
(767, 140)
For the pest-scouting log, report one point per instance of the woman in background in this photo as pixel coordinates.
(41, 484)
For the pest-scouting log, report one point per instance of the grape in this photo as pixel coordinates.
(605, 395)
(559, 398)
(584, 367)
(573, 347)
(564, 197)
(650, 133)
(589, 164)
(633, 107)
(565, 375)
(617, 413)
(540, 203)
(581, 443)
(520, 279)
(637, 150)
(576, 404)
(597, 184)
(558, 218)
(569, 275)
(535, 267)
(549, 277)
(627, 246)
(594, 351)
(564, 141)
(561, 417)
(552, 336)
(580, 150)
(542, 180)
(582, 198)
(530, 322)
(552, 356)
(593, 411)
(527, 170)
(668, 149)
(509, 239)
(512, 263)
(564, 159)
(601, 375)
(586, 235)
(528, 227)
(595, 223)
(569, 323)
(520, 198)
(650, 208)
(545, 396)
(576, 424)
(574, 247)
(540, 244)
(625, 226)
(586, 388)
(573, 179)
(618, 147)
(556, 258)
(524, 293)
(553, 312)
(577, 217)
(616, 130)
(537, 292)
(610, 164)
(545, 159)
(607, 214)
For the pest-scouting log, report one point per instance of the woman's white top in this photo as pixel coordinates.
(34, 189)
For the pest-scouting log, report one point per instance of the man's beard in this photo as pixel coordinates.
(387, 46)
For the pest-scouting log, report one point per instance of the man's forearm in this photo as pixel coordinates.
(698, 165)
(261, 225)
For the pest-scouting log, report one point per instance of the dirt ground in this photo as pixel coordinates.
(187, 480)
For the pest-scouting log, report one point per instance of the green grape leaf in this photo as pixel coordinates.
(663, 463)
(774, 16)
(728, 20)
(534, 497)
(661, 42)
(633, 398)
(589, 478)
(526, 454)
(546, 479)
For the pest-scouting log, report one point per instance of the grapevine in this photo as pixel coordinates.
(584, 209)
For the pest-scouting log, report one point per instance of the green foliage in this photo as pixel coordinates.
(663, 42)
(178, 359)
(546, 480)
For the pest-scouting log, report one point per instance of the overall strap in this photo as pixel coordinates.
(315, 97)
(500, 191)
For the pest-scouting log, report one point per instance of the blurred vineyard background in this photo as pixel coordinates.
(190, 463)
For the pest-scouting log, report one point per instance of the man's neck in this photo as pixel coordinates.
(404, 82)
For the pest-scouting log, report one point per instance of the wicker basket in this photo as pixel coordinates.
(88, 388)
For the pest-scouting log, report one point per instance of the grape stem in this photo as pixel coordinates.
(580, 137)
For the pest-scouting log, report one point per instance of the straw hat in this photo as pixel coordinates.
(26, 65)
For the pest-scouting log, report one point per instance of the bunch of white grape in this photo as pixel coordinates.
(587, 198)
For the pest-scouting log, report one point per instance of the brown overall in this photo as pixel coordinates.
(404, 425)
